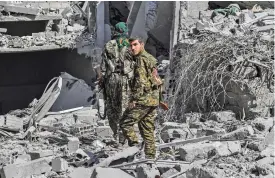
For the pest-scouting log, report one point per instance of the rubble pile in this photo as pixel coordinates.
(65, 29)
(219, 122)
(234, 21)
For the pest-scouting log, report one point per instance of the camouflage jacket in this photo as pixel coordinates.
(115, 60)
(144, 90)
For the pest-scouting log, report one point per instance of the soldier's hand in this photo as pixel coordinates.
(131, 105)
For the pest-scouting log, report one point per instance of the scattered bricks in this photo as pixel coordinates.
(147, 171)
(169, 173)
(240, 133)
(268, 151)
(195, 151)
(265, 166)
(37, 166)
(169, 134)
(14, 122)
(59, 165)
(40, 154)
(203, 172)
(104, 131)
(222, 116)
(110, 172)
(263, 124)
(73, 144)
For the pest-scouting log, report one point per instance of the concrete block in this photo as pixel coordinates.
(269, 138)
(172, 134)
(196, 151)
(37, 166)
(40, 154)
(240, 133)
(104, 131)
(73, 144)
(110, 172)
(222, 116)
(147, 171)
(59, 165)
(203, 172)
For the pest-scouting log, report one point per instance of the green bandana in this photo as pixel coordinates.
(121, 33)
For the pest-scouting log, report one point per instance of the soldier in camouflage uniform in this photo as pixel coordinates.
(144, 99)
(116, 68)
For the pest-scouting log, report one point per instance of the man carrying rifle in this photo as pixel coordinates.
(144, 99)
(116, 68)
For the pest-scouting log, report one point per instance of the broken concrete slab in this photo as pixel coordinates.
(147, 171)
(203, 172)
(104, 131)
(59, 165)
(269, 138)
(119, 158)
(169, 134)
(81, 172)
(110, 172)
(37, 166)
(22, 159)
(20, 9)
(169, 173)
(196, 151)
(40, 154)
(240, 133)
(74, 93)
(191, 152)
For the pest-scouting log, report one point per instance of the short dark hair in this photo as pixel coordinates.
(140, 40)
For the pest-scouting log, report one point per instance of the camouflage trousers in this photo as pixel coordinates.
(144, 116)
(116, 103)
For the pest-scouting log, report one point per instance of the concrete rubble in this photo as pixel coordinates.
(65, 26)
(61, 134)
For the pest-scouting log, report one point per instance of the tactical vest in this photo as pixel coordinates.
(118, 60)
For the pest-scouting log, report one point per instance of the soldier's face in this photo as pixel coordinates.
(136, 47)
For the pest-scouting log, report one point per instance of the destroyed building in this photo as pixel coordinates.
(217, 61)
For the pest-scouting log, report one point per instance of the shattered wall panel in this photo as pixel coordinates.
(74, 93)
